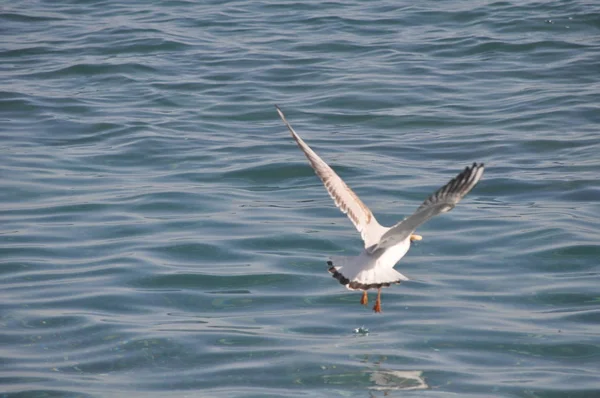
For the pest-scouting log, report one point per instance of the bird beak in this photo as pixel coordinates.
(415, 237)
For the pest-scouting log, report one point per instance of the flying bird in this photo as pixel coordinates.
(373, 268)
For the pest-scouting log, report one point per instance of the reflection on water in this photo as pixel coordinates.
(388, 380)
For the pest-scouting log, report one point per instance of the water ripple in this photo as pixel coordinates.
(161, 233)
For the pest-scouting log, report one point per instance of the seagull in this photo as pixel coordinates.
(373, 268)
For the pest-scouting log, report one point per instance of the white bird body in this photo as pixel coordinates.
(384, 247)
(370, 270)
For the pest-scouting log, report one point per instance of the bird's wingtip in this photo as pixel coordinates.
(281, 115)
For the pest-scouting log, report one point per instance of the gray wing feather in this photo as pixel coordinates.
(345, 199)
(443, 200)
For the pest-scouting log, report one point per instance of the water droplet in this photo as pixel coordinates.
(362, 331)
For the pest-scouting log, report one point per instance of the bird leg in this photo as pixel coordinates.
(377, 307)
(365, 299)
(415, 237)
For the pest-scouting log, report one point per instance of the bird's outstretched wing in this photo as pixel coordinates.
(345, 199)
(443, 200)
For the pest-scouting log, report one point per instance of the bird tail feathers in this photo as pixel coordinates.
(358, 277)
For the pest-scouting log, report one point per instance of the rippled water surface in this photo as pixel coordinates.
(162, 235)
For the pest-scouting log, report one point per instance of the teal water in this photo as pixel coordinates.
(162, 235)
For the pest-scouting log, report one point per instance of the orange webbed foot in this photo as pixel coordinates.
(364, 299)
(377, 307)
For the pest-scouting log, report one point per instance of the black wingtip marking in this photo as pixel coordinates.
(464, 179)
(459, 185)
